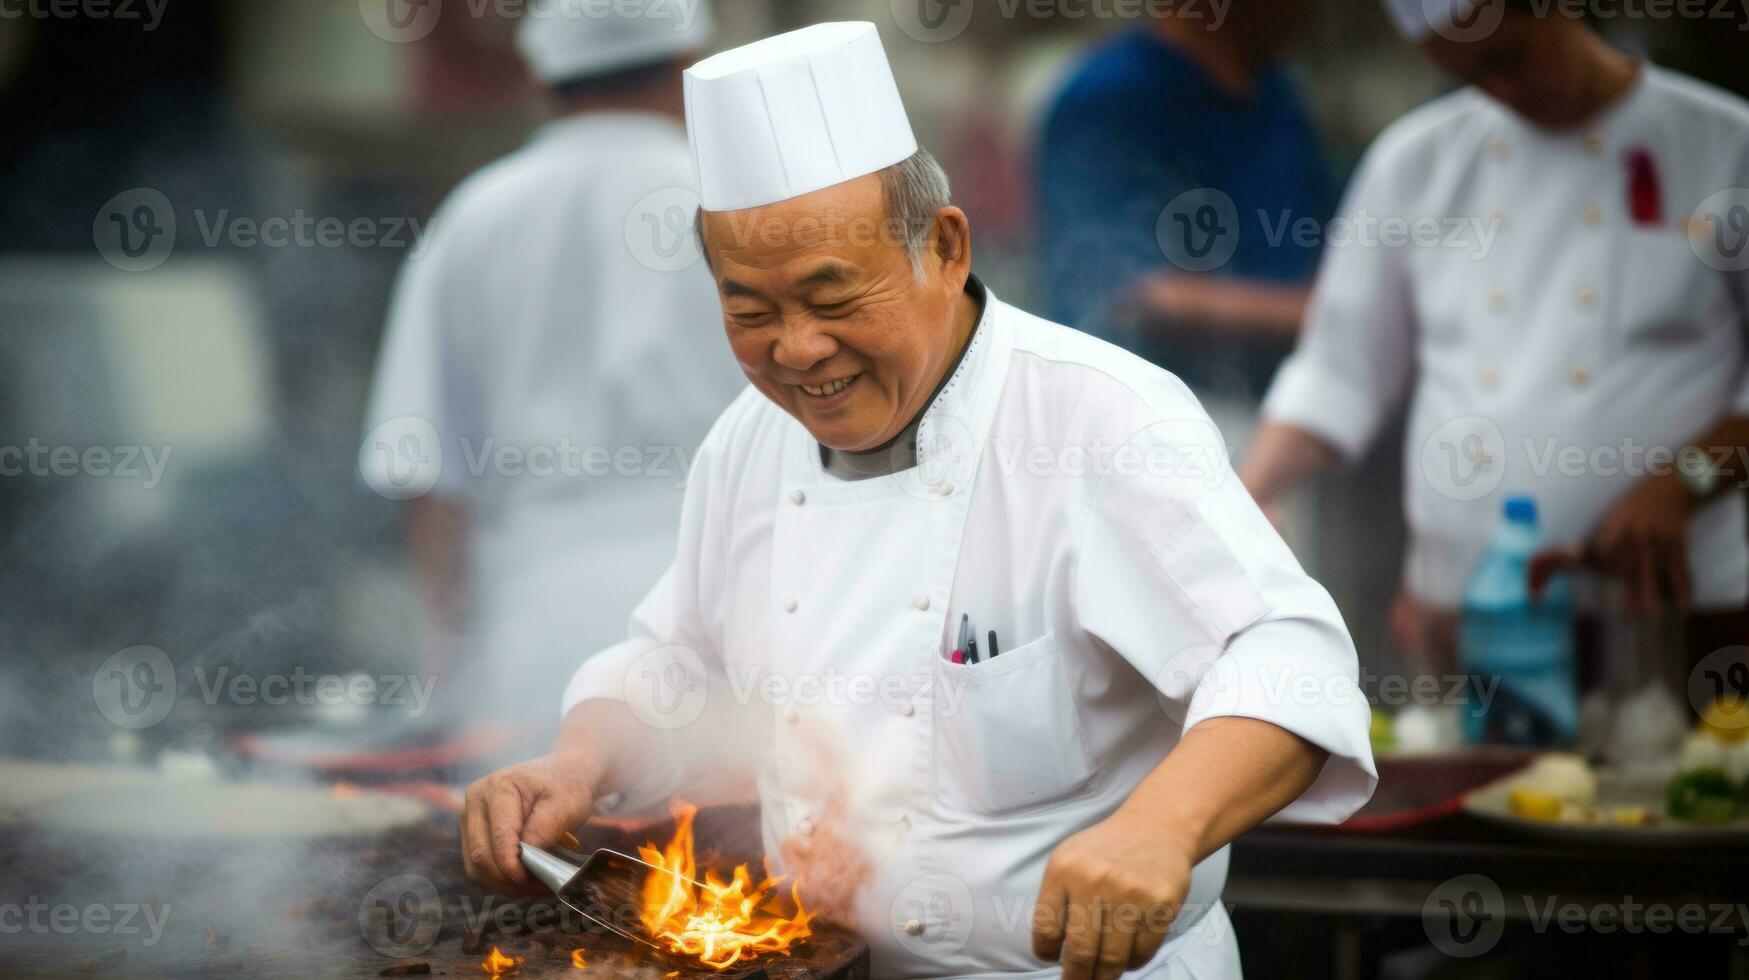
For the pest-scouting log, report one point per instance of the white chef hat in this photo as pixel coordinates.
(567, 40)
(1416, 19)
(792, 114)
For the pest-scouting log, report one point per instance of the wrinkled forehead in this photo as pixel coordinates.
(847, 223)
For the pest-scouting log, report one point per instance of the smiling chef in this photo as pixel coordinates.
(917, 461)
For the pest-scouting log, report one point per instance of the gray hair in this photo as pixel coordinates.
(915, 190)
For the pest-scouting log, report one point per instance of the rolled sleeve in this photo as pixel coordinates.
(1310, 396)
(1299, 675)
(1185, 578)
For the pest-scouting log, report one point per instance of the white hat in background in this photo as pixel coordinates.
(792, 114)
(568, 40)
(1416, 19)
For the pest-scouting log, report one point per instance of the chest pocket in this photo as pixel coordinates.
(1007, 735)
(1667, 295)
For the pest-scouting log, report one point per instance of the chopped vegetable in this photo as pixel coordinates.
(1703, 796)
(1532, 805)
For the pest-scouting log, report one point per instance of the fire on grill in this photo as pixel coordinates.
(657, 899)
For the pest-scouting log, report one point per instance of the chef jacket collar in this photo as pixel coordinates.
(956, 425)
(1619, 112)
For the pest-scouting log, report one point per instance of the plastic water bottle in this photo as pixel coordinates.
(1518, 651)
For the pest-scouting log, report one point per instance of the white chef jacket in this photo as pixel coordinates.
(1579, 331)
(568, 384)
(1074, 499)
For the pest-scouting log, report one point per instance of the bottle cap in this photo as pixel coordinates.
(1521, 509)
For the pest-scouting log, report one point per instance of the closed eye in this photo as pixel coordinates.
(836, 311)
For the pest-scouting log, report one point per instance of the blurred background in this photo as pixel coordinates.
(188, 402)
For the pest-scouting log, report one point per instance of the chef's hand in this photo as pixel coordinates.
(537, 801)
(1109, 895)
(1642, 541)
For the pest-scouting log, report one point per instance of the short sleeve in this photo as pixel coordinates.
(413, 397)
(1356, 350)
(1184, 577)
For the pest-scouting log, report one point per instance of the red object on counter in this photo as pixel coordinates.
(1645, 194)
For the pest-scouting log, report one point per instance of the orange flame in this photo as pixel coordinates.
(497, 964)
(343, 790)
(718, 923)
(577, 959)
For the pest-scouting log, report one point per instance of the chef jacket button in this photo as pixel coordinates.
(1581, 375)
(1594, 144)
(1587, 299)
(1497, 149)
(921, 602)
(789, 715)
(1488, 379)
(1498, 216)
(907, 709)
(789, 605)
(798, 498)
(945, 489)
(1593, 214)
(1497, 299)
(904, 824)
(914, 927)
(805, 827)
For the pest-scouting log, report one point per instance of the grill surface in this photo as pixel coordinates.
(396, 905)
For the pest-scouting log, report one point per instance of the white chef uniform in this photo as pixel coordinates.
(1545, 364)
(568, 373)
(1074, 499)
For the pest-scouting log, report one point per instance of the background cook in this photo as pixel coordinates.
(1599, 317)
(534, 344)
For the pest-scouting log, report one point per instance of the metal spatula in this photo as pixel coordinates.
(607, 888)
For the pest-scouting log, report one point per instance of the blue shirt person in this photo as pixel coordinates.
(1176, 173)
